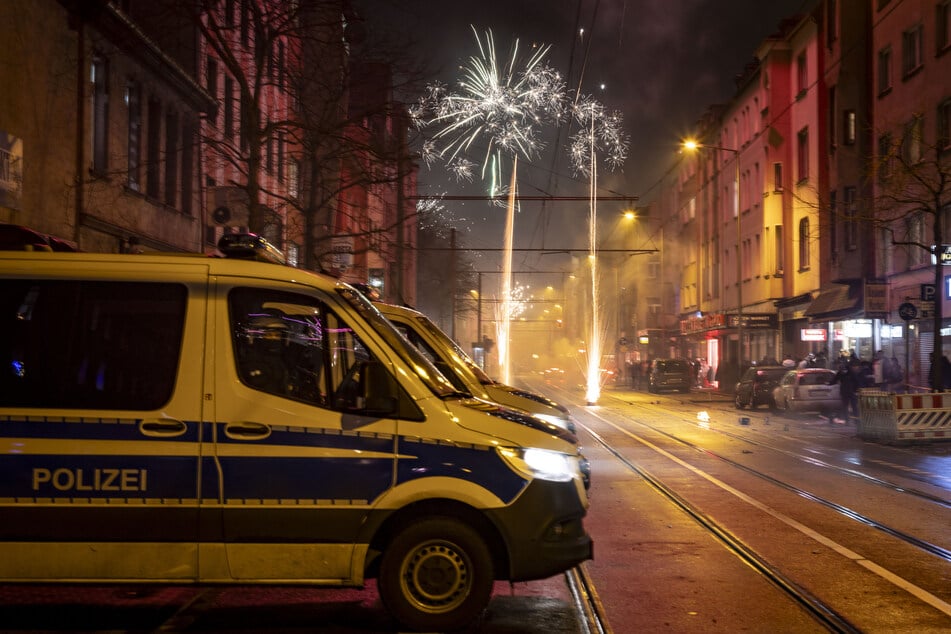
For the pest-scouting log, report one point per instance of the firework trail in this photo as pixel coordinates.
(601, 133)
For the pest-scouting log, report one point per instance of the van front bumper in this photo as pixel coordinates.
(544, 531)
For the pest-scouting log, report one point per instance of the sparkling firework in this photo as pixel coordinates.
(598, 133)
(500, 105)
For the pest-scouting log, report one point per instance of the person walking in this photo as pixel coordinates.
(850, 379)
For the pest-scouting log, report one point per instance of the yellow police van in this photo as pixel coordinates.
(462, 371)
(191, 419)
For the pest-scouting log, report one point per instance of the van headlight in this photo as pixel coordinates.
(541, 463)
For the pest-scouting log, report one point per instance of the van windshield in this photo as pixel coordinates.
(415, 359)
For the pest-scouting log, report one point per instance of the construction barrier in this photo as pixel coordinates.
(904, 417)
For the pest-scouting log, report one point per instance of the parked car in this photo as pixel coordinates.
(756, 386)
(807, 390)
(669, 375)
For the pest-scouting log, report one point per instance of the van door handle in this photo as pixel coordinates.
(163, 427)
(247, 430)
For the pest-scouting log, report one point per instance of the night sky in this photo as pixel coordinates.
(661, 63)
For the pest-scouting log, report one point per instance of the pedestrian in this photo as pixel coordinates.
(945, 382)
(850, 379)
(892, 373)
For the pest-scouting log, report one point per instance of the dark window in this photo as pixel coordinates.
(802, 155)
(777, 177)
(134, 105)
(944, 125)
(211, 85)
(802, 74)
(884, 70)
(189, 134)
(100, 114)
(804, 244)
(153, 171)
(228, 131)
(171, 159)
(850, 203)
(90, 345)
(943, 25)
(911, 50)
(832, 24)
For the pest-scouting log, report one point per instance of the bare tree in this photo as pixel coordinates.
(914, 196)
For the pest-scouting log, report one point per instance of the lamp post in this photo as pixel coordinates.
(693, 146)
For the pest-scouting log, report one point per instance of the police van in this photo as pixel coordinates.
(191, 419)
(463, 372)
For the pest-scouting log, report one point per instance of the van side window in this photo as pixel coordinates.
(290, 345)
(89, 345)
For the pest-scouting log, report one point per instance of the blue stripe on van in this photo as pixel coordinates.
(78, 461)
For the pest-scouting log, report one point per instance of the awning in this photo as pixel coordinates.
(835, 302)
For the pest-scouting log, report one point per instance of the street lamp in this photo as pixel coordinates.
(693, 146)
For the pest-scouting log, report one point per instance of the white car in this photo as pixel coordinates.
(808, 390)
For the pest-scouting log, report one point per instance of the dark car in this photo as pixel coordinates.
(669, 375)
(756, 386)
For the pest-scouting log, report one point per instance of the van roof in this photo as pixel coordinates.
(215, 265)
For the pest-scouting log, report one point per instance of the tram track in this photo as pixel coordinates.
(818, 609)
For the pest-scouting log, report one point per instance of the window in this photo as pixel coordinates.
(833, 119)
(228, 130)
(802, 156)
(653, 267)
(291, 346)
(848, 127)
(653, 305)
(885, 157)
(133, 102)
(884, 70)
(833, 226)
(943, 25)
(152, 168)
(911, 52)
(804, 244)
(100, 114)
(81, 343)
(777, 177)
(211, 85)
(911, 141)
(944, 125)
(802, 75)
(189, 134)
(780, 250)
(171, 159)
(914, 229)
(851, 218)
(832, 25)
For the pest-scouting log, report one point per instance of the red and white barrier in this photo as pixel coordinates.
(904, 417)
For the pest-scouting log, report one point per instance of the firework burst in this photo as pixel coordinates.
(499, 104)
(599, 132)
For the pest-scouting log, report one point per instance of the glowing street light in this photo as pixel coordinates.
(694, 146)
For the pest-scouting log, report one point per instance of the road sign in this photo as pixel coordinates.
(945, 254)
(907, 311)
(928, 293)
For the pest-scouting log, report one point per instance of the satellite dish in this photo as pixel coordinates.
(221, 215)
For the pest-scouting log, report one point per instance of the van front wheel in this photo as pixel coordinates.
(436, 575)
